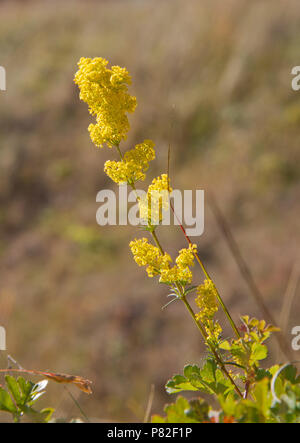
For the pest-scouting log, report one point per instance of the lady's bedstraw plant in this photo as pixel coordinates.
(231, 372)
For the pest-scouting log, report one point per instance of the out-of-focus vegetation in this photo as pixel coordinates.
(213, 79)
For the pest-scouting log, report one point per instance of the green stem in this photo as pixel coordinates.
(219, 298)
(119, 151)
(153, 233)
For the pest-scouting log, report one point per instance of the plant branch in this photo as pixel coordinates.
(204, 335)
(219, 298)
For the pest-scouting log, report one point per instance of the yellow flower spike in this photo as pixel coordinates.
(106, 93)
(206, 301)
(148, 255)
(213, 330)
(134, 164)
(161, 183)
(180, 273)
(186, 256)
(141, 155)
(117, 171)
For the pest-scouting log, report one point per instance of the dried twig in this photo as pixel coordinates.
(149, 404)
(82, 383)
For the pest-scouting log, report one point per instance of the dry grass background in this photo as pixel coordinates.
(213, 79)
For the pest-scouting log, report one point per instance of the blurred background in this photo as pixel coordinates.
(213, 79)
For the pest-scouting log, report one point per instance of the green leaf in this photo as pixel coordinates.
(290, 373)
(259, 352)
(13, 386)
(43, 416)
(198, 410)
(6, 403)
(263, 396)
(209, 379)
(190, 289)
(179, 383)
(228, 404)
(182, 411)
(158, 419)
(25, 389)
(225, 345)
(262, 373)
(46, 414)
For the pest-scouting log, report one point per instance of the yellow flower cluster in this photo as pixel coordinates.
(134, 164)
(186, 256)
(157, 263)
(148, 255)
(106, 92)
(206, 301)
(156, 200)
(180, 273)
(176, 274)
(213, 330)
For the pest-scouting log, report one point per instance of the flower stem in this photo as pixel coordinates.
(204, 335)
(154, 236)
(219, 298)
(119, 151)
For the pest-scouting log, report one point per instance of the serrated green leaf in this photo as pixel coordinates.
(25, 389)
(6, 403)
(209, 379)
(179, 383)
(13, 386)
